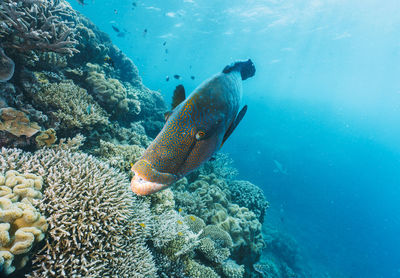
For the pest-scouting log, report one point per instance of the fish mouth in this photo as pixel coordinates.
(142, 187)
(148, 180)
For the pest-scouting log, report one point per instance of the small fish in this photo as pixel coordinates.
(115, 11)
(177, 76)
(89, 109)
(115, 29)
(166, 51)
(131, 164)
(121, 34)
(81, 2)
(180, 209)
(180, 234)
(179, 222)
(164, 43)
(195, 130)
(109, 61)
(167, 78)
(279, 168)
(134, 4)
(192, 77)
(142, 225)
(192, 218)
(144, 33)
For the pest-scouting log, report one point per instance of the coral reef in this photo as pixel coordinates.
(248, 195)
(46, 138)
(71, 105)
(21, 224)
(17, 123)
(209, 198)
(119, 156)
(97, 228)
(208, 226)
(232, 270)
(37, 25)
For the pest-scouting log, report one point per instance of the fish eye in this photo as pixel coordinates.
(200, 135)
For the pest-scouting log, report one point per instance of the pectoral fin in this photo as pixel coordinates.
(235, 123)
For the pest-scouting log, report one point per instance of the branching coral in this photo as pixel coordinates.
(21, 224)
(119, 156)
(97, 228)
(71, 105)
(37, 25)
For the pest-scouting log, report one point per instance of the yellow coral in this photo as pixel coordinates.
(46, 138)
(21, 225)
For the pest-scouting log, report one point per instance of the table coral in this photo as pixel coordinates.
(21, 224)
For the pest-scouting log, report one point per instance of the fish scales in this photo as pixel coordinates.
(194, 130)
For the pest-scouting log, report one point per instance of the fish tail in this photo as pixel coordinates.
(246, 68)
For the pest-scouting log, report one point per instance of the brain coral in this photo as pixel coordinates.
(97, 228)
(21, 224)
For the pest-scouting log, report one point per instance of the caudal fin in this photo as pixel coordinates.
(246, 68)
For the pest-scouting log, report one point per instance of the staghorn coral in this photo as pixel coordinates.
(69, 104)
(46, 138)
(248, 195)
(97, 228)
(21, 224)
(119, 156)
(37, 25)
(17, 123)
(7, 67)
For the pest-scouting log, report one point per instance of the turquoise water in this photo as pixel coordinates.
(324, 104)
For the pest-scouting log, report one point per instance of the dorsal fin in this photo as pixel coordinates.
(178, 97)
(234, 124)
(246, 68)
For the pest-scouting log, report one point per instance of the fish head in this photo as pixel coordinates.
(181, 146)
(148, 180)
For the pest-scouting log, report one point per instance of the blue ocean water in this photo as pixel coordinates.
(321, 136)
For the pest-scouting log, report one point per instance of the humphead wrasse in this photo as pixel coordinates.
(195, 129)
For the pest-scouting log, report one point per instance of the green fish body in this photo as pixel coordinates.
(193, 131)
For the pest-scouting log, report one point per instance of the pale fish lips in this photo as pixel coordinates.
(142, 187)
(148, 180)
